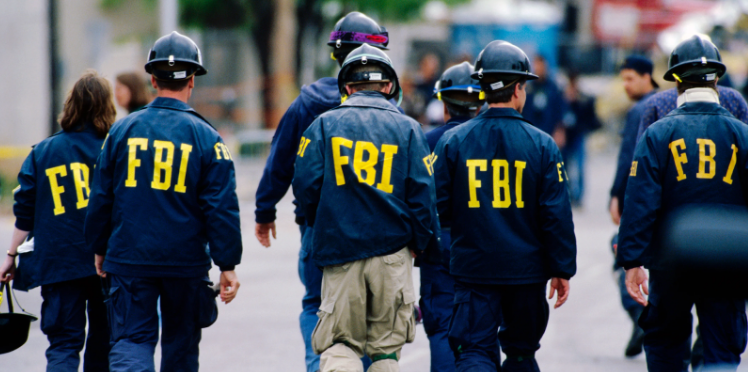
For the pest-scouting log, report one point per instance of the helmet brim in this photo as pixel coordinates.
(501, 74)
(353, 45)
(199, 70)
(719, 68)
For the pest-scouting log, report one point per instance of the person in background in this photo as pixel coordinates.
(51, 202)
(461, 101)
(546, 105)
(579, 121)
(636, 73)
(131, 91)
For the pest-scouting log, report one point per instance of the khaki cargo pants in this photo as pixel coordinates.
(367, 308)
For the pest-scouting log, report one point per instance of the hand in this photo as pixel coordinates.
(8, 269)
(562, 286)
(99, 263)
(412, 253)
(229, 286)
(262, 233)
(615, 214)
(559, 136)
(636, 282)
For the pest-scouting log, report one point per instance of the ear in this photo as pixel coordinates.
(389, 87)
(191, 83)
(153, 82)
(517, 88)
(348, 90)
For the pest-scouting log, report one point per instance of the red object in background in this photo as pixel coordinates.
(638, 22)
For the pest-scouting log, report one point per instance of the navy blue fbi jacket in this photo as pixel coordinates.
(696, 155)
(51, 202)
(502, 183)
(164, 188)
(314, 100)
(363, 180)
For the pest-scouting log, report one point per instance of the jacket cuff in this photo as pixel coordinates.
(25, 224)
(227, 268)
(264, 216)
(101, 251)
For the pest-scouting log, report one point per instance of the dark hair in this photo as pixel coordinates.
(503, 95)
(457, 110)
(682, 87)
(172, 85)
(138, 90)
(90, 101)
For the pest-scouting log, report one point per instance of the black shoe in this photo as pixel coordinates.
(635, 346)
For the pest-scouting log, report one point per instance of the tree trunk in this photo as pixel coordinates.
(281, 89)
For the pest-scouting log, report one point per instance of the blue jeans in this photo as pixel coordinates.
(64, 322)
(134, 323)
(521, 311)
(311, 277)
(667, 325)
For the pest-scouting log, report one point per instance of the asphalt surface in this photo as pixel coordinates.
(259, 331)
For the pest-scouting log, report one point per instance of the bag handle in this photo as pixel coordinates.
(6, 285)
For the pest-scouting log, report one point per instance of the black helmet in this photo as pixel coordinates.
(13, 326)
(355, 29)
(363, 55)
(456, 87)
(175, 48)
(500, 63)
(695, 59)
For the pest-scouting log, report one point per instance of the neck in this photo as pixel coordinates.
(182, 95)
(698, 95)
(511, 104)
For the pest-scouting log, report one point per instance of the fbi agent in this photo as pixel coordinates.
(461, 97)
(349, 32)
(51, 203)
(363, 179)
(163, 190)
(501, 183)
(694, 156)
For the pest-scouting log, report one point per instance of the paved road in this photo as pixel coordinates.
(259, 330)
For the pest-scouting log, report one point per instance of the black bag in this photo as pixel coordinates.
(13, 326)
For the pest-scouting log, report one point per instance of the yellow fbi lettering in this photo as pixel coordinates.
(163, 162)
(80, 174)
(501, 182)
(707, 163)
(365, 161)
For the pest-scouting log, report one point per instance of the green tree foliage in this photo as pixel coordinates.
(398, 10)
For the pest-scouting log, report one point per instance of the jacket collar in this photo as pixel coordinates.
(369, 99)
(698, 95)
(174, 104)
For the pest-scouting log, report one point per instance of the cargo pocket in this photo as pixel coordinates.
(207, 311)
(117, 308)
(322, 337)
(459, 325)
(409, 299)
